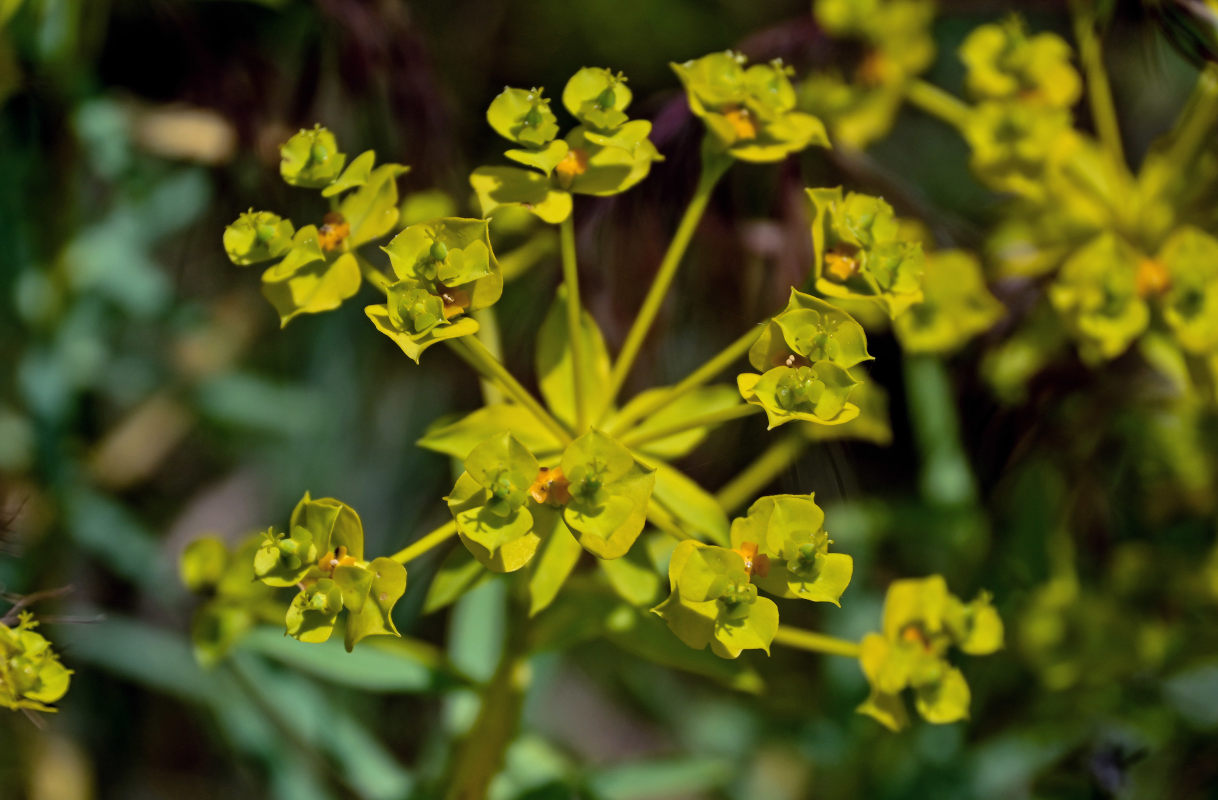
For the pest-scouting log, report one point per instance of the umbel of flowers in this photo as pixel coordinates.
(31, 676)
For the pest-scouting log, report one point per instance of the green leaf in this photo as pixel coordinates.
(311, 158)
(690, 504)
(332, 523)
(545, 158)
(945, 701)
(696, 403)
(887, 709)
(355, 175)
(354, 581)
(388, 584)
(311, 615)
(555, 374)
(634, 578)
(510, 186)
(457, 437)
(501, 543)
(559, 553)
(372, 210)
(459, 572)
(754, 632)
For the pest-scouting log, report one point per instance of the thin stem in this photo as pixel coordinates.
(488, 333)
(762, 472)
(1193, 129)
(1099, 93)
(713, 168)
(474, 353)
(693, 423)
(947, 477)
(719, 362)
(575, 329)
(373, 275)
(422, 545)
(816, 642)
(938, 103)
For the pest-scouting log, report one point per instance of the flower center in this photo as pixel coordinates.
(333, 231)
(1152, 277)
(574, 164)
(551, 487)
(742, 123)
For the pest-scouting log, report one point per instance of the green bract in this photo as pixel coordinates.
(311, 158)
(489, 503)
(606, 154)
(922, 621)
(257, 236)
(609, 492)
(784, 542)
(713, 602)
(955, 307)
(1190, 304)
(1096, 292)
(1004, 63)
(445, 269)
(750, 113)
(31, 676)
(1014, 144)
(812, 393)
(859, 252)
(809, 330)
(324, 555)
(237, 599)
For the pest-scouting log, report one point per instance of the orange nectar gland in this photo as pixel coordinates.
(873, 69)
(914, 635)
(841, 267)
(573, 164)
(333, 559)
(742, 122)
(333, 231)
(754, 563)
(1152, 277)
(455, 301)
(551, 487)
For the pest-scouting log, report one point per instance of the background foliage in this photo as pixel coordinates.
(147, 396)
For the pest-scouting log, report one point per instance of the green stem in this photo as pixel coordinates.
(575, 329)
(816, 642)
(762, 472)
(422, 545)
(938, 103)
(714, 165)
(947, 478)
(474, 353)
(1192, 131)
(721, 361)
(664, 521)
(1099, 92)
(373, 275)
(488, 334)
(690, 424)
(481, 753)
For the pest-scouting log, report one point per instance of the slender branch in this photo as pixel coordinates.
(938, 103)
(713, 167)
(474, 353)
(371, 274)
(488, 333)
(761, 473)
(664, 521)
(690, 424)
(816, 642)
(719, 362)
(426, 543)
(947, 477)
(1192, 131)
(1099, 93)
(575, 328)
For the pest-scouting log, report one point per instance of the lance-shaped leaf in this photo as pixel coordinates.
(809, 329)
(712, 602)
(784, 538)
(609, 492)
(557, 557)
(1096, 292)
(307, 281)
(383, 586)
(1190, 302)
(816, 393)
(311, 158)
(282, 560)
(858, 251)
(313, 611)
(457, 437)
(749, 113)
(555, 373)
(523, 116)
(695, 403)
(956, 305)
(257, 236)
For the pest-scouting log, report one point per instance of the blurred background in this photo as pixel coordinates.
(147, 397)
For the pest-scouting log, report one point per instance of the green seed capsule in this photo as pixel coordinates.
(439, 251)
(606, 99)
